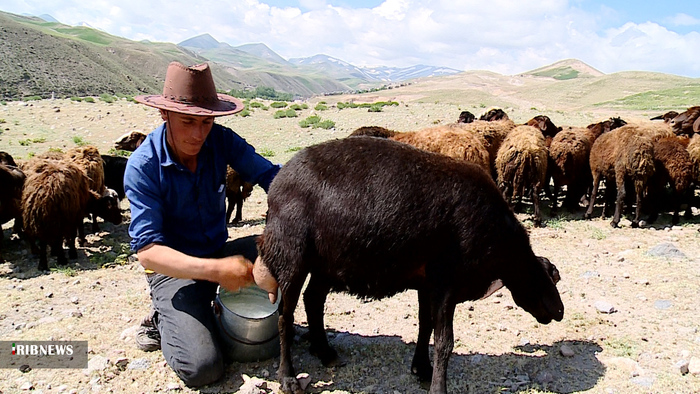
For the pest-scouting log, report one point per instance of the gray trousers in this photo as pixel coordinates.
(186, 321)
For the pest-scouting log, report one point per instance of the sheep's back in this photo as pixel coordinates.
(522, 157)
(462, 146)
(674, 160)
(90, 162)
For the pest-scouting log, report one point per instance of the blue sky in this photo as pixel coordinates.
(504, 36)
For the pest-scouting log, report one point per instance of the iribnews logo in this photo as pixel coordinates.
(42, 350)
(43, 354)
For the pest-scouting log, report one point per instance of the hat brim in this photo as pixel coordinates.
(226, 105)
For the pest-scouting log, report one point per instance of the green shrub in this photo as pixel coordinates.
(244, 113)
(79, 141)
(33, 98)
(321, 107)
(278, 104)
(3, 102)
(89, 99)
(280, 114)
(299, 107)
(107, 98)
(256, 104)
(52, 149)
(293, 149)
(326, 124)
(310, 121)
(291, 113)
(2, 121)
(266, 153)
(375, 108)
(76, 98)
(24, 142)
(118, 152)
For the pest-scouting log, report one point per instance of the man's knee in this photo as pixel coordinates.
(200, 371)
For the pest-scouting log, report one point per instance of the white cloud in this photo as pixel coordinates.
(683, 20)
(506, 36)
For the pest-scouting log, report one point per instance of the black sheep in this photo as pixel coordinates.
(114, 173)
(361, 215)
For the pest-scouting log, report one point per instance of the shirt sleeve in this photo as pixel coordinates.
(142, 185)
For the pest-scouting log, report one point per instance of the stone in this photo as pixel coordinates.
(662, 304)
(139, 363)
(566, 351)
(97, 363)
(667, 250)
(694, 366)
(683, 366)
(172, 386)
(121, 363)
(304, 380)
(604, 307)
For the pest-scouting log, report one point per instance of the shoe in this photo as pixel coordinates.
(147, 336)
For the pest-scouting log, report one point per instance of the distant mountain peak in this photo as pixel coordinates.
(202, 41)
(566, 69)
(48, 18)
(263, 51)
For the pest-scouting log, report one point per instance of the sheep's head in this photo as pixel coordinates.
(534, 289)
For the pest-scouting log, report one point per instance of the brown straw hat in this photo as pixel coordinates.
(191, 90)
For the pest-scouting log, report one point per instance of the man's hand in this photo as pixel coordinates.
(237, 272)
(265, 280)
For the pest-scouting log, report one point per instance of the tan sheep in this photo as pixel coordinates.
(521, 164)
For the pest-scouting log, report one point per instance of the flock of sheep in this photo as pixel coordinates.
(49, 195)
(646, 165)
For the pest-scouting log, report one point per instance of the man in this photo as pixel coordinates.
(175, 183)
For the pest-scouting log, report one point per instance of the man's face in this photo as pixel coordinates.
(187, 133)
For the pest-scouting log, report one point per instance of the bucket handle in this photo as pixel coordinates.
(217, 312)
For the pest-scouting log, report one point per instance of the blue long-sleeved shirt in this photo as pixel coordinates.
(172, 206)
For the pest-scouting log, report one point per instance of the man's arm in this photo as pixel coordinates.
(232, 272)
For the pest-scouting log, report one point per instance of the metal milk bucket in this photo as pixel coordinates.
(247, 323)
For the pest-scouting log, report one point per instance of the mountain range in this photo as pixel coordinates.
(42, 57)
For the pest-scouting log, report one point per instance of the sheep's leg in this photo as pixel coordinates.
(443, 315)
(421, 358)
(285, 324)
(229, 208)
(81, 232)
(239, 208)
(60, 256)
(594, 193)
(314, 299)
(620, 183)
(43, 261)
(639, 191)
(536, 205)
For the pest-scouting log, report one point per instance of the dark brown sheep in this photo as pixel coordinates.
(624, 154)
(494, 114)
(372, 131)
(667, 117)
(12, 181)
(673, 167)
(687, 122)
(568, 165)
(361, 215)
(521, 165)
(466, 117)
(130, 141)
(236, 192)
(545, 125)
(54, 202)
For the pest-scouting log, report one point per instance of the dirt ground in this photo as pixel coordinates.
(648, 278)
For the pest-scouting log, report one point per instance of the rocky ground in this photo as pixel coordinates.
(631, 295)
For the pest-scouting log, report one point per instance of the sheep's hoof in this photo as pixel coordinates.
(424, 372)
(290, 385)
(635, 224)
(613, 224)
